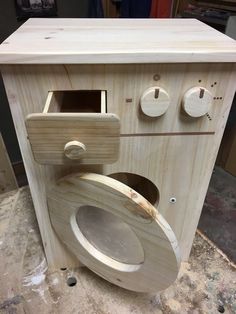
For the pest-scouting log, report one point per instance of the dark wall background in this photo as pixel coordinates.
(8, 24)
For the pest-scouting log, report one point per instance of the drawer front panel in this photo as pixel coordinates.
(97, 137)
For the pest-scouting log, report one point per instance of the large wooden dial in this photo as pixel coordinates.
(154, 102)
(197, 101)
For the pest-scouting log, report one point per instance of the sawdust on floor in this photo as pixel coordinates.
(205, 285)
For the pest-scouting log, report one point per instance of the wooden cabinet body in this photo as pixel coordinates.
(174, 151)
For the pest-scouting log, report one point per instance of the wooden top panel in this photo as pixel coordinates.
(68, 41)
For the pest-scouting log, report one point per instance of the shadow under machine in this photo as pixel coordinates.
(119, 124)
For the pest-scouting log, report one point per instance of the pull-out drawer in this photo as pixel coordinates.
(74, 128)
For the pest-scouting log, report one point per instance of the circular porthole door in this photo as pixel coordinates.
(114, 231)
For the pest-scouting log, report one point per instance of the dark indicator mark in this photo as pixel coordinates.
(201, 93)
(156, 93)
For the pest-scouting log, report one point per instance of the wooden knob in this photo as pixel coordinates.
(74, 150)
(154, 102)
(197, 101)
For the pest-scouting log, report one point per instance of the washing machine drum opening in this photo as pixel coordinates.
(110, 235)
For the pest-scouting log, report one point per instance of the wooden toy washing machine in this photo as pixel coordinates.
(119, 123)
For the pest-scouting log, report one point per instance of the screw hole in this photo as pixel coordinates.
(71, 281)
(215, 83)
(63, 268)
(221, 309)
(172, 200)
(212, 85)
(221, 97)
(199, 81)
(156, 77)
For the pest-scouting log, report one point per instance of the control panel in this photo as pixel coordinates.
(155, 99)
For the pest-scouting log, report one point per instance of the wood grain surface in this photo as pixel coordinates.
(161, 252)
(179, 161)
(49, 133)
(73, 41)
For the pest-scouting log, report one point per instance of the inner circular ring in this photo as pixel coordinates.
(108, 238)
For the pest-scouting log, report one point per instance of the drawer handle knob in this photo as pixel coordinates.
(74, 150)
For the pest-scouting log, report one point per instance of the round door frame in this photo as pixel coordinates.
(161, 252)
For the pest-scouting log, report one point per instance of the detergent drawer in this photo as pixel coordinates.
(74, 128)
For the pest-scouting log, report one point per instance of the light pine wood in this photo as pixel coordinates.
(73, 41)
(78, 99)
(49, 133)
(103, 102)
(170, 163)
(98, 77)
(59, 138)
(7, 177)
(51, 102)
(74, 150)
(161, 260)
(165, 152)
(124, 92)
(154, 102)
(197, 102)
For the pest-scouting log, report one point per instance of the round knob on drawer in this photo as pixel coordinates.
(197, 101)
(74, 150)
(154, 102)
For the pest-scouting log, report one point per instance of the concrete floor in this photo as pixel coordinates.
(218, 218)
(205, 285)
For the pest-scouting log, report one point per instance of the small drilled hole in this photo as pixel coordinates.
(221, 97)
(221, 309)
(212, 85)
(215, 83)
(199, 81)
(71, 281)
(173, 200)
(156, 77)
(63, 268)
